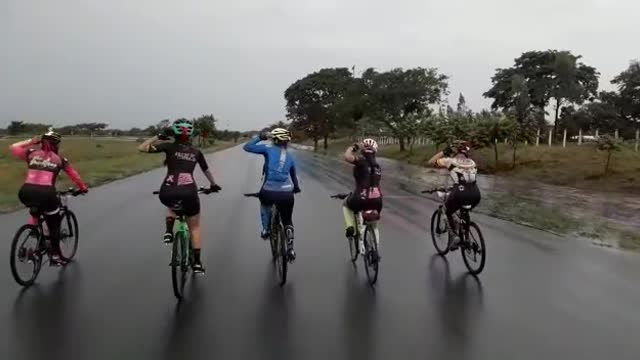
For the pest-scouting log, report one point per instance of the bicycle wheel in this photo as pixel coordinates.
(69, 236)
(273, 239)
(281, 257)
(371, 257)
(439, 231)
(31, 255)
(473, 249)
(178, 261)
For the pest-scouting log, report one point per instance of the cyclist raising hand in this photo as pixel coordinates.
(280, 180)
(39, 189)
(462, 171)
(179, 187)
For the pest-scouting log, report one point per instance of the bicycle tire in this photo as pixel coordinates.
(435, 222)
(273, 238)
(371, 256)
(468, 245)
(282, 260)
(72, 223)
(177, 260)
(37, 263)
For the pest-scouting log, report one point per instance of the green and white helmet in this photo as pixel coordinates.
(182, 128)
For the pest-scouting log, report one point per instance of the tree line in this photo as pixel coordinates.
(406, 103)
(205, 126)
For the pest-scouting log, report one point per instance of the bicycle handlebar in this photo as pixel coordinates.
(252, 195)
(70, 191)
(201, 190)
(441, 189)
(340, 196)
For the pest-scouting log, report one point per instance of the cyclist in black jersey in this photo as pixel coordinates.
(179, 186)
(366, 195)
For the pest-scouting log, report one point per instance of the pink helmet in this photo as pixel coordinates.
(370, 145)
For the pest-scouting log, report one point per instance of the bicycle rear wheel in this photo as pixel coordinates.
(371, 257)
(69, 236)
(178, 264)
(281, 259)
(473, 249)
(21, 254)
(439, 231)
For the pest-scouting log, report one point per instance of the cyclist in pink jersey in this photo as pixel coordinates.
(39, 188)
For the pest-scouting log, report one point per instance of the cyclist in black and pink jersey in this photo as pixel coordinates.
(367, 194)
(179, 187)
(39, 189)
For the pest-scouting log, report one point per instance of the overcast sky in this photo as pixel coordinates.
(135, 62)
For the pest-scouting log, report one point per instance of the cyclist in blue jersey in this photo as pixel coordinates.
(280, 181)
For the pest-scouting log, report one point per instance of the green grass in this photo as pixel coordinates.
(97, 160)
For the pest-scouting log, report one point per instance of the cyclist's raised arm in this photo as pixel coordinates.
(437, 160)
(350, 154)
(152, 145)
(253, 147)
(21, 149)
(73, 175)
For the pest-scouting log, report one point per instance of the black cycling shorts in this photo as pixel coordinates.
(284, 202)
(183, 200)
(41, 198)
(356, 204)
(462, 194)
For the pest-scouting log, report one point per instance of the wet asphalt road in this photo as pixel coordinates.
(540, 297)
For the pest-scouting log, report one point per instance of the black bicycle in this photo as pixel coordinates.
(471, 240)
(279, 241)
(33, 255)
(182, 250)
(371, 256)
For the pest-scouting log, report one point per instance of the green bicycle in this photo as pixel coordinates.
(182, 251)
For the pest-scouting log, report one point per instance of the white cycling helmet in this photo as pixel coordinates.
(370, 145)
(281, 134)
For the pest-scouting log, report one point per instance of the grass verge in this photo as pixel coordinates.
(99, 161)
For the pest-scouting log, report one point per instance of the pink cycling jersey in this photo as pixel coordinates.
(44, 166)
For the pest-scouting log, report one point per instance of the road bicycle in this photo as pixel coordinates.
(33, 255)
(279, 239)
(371, 257)
(472, 245)
(182, 250)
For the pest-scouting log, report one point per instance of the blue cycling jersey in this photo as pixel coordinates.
(279, 165)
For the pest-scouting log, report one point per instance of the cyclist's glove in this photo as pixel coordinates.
(355, 147)
(448, 152)
(214, 188)
(296, 190)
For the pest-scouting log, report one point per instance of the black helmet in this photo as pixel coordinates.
(52, 136)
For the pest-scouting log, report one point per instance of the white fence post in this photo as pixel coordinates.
(597, 133)
(564, 139)
(580, 137)
(550, 136)
(538, 138)
(617, 134)
(637, 138)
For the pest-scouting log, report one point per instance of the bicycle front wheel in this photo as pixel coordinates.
(26, 255)
(69, 236)
(473, 249)
(178, 264)
(439, 232)
(371, 257)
